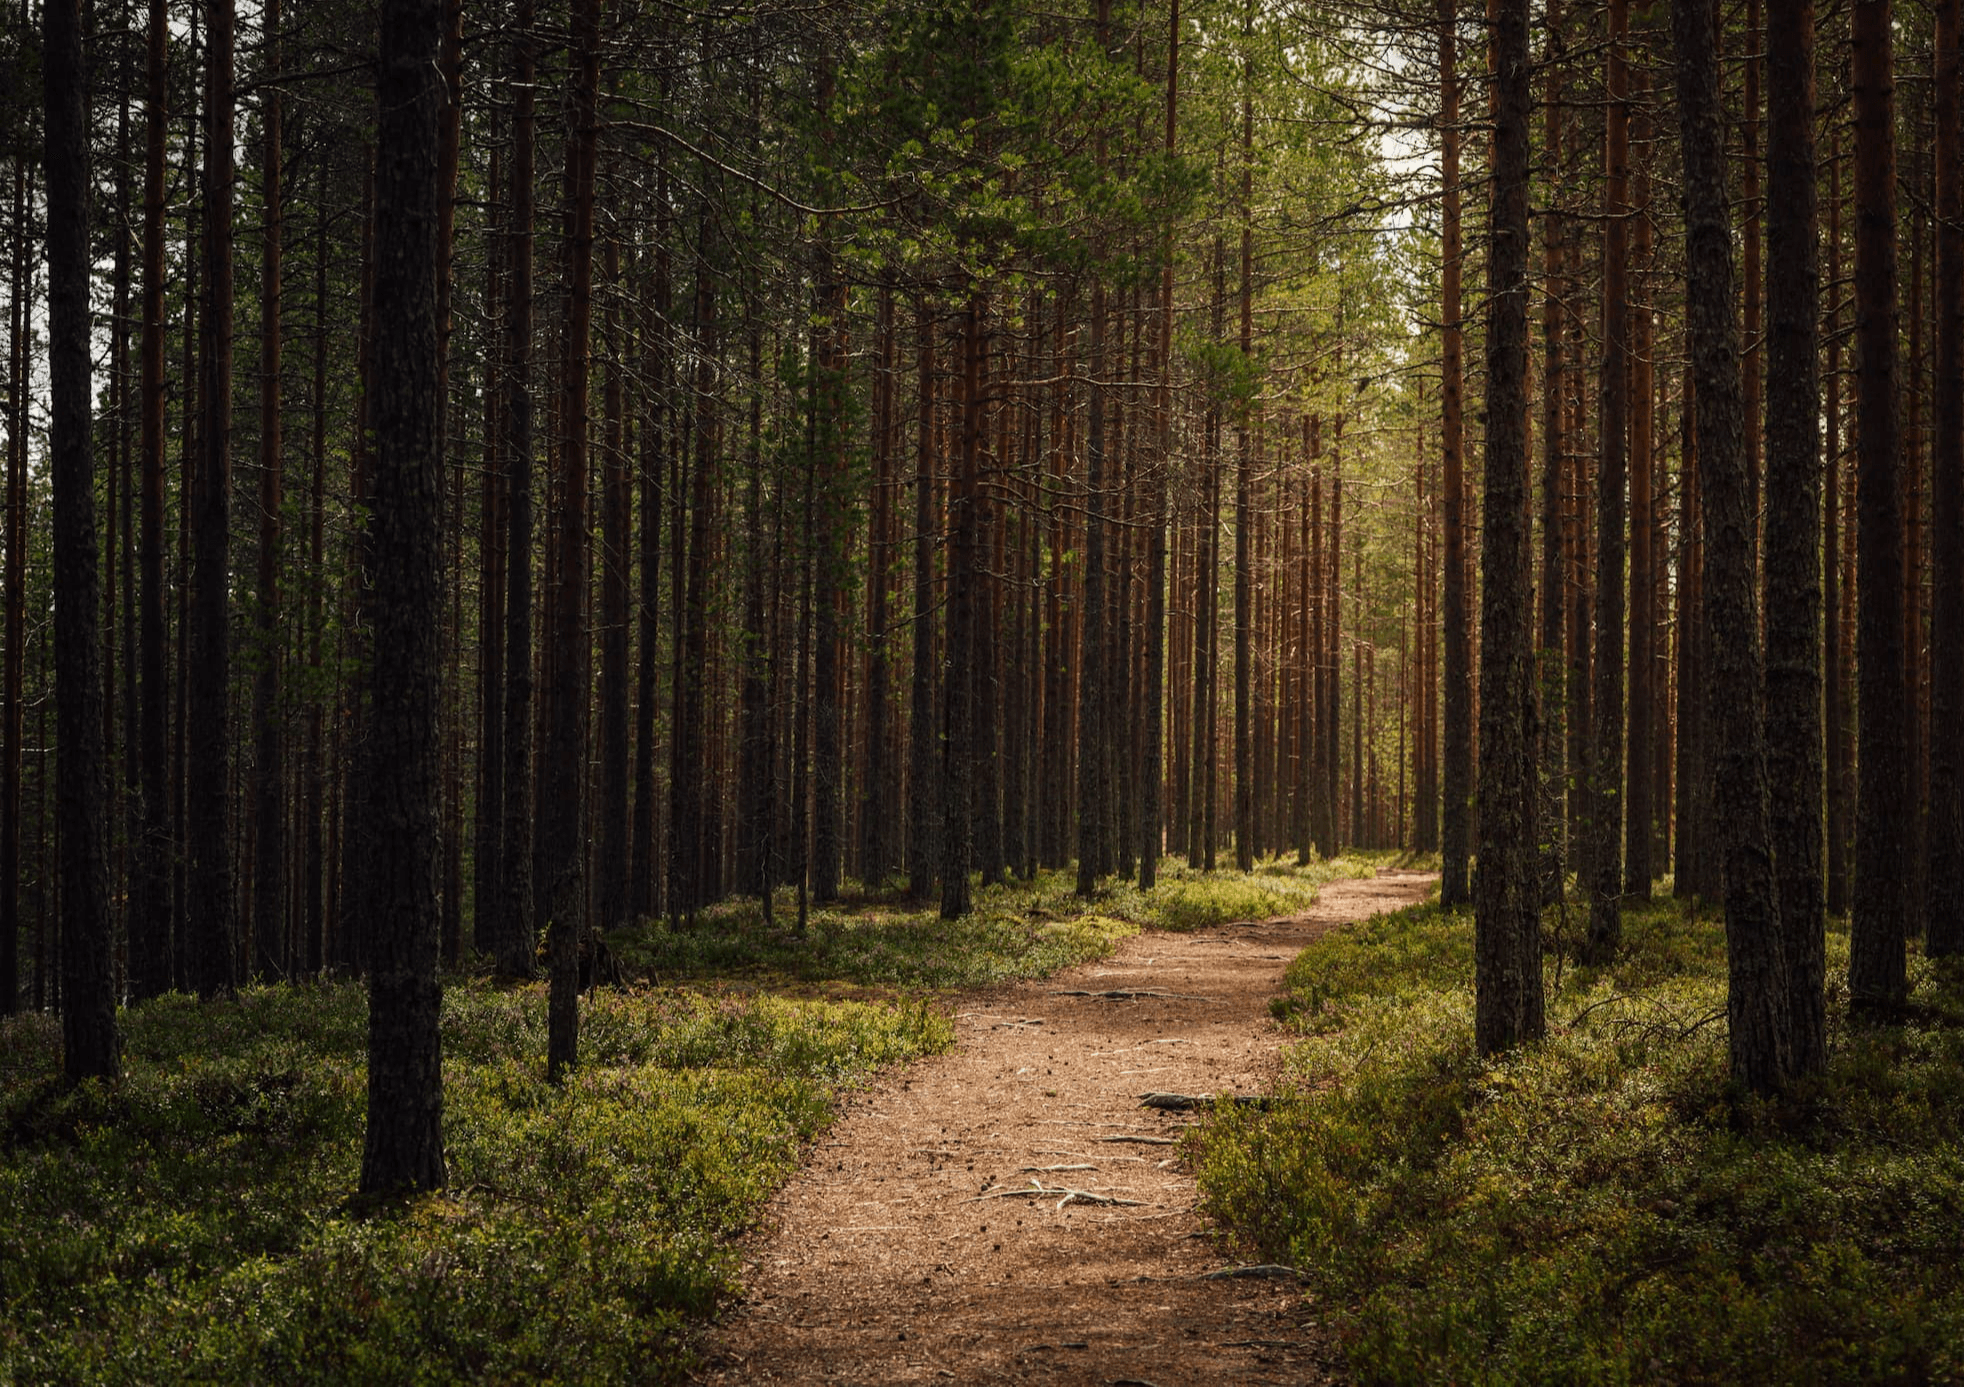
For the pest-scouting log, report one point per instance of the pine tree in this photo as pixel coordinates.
(404, 1145)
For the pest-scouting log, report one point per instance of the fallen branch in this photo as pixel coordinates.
(1038, 1188)
(1146, 1141)
(1053, 1169)
(1578, 1017)
(1183, 1102)
(1122, 994)
(1265, 1271)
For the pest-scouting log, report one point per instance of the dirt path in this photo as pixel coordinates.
(878, 1264)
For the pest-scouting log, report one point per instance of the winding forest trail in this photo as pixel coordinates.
(879, 1264)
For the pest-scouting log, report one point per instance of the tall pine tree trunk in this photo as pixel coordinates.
(1455, 885)
(876, 805)
(1640, 782)
(561, 796)
(1152, 839)
(89, 1045)
(1554, 559)
(210, 937)
(923, 797)
(515, 930)
(1944, 904)
(1244, 475)
(1612, 465)
(959, 699)
(1793, 529)
(269, 887)
(493, 573)
(754, 750)
(657, 442)
(1877, 964)
(615, 860)
(1508, 1008)
(1839, 574)
(1732, 682)
(1092, 734)
(11, 721)
(404, 1145)
(150, 895)
(829, 654)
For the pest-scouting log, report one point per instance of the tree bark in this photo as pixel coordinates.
(1092, 789)
(1554, 558)
(1455, 882)
(1839, 580)
(493, 580)
(515, 931)
(1740, 810)
(11, 722)
(150, 904)
(561, 789)
(657, 443)
(923, 797)
(1944, 904)
(1152, 838)
(959, 698)
(208, 905)
(876, 805)
(829, 656)
(1639, 819)
(404, 1145)
(754, 750)
(1877, 964)
(1508, 1007)
(1793, 530)
(269, 887)
(89, 1044)
(1244, 476)
(1605, 821)
(617, 849)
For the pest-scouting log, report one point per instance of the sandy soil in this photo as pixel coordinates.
(882, 1263)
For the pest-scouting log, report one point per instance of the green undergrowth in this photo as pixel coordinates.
(1016, 930)
(194, 1222)
(1603, 1207)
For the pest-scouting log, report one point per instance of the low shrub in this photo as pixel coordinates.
(1603, 1206)
(1017, 929)
(194, 1222)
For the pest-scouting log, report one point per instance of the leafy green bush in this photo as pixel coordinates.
(194, 1221)
(1016, 930)
(1602, 1207)
(1187, 900)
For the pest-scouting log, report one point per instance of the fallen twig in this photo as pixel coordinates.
(1038, 1188)
(1266, 1271)
(1125, 994)
(1146, 1141)
(1182, 1102)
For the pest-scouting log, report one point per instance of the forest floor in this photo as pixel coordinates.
(902, 1252)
